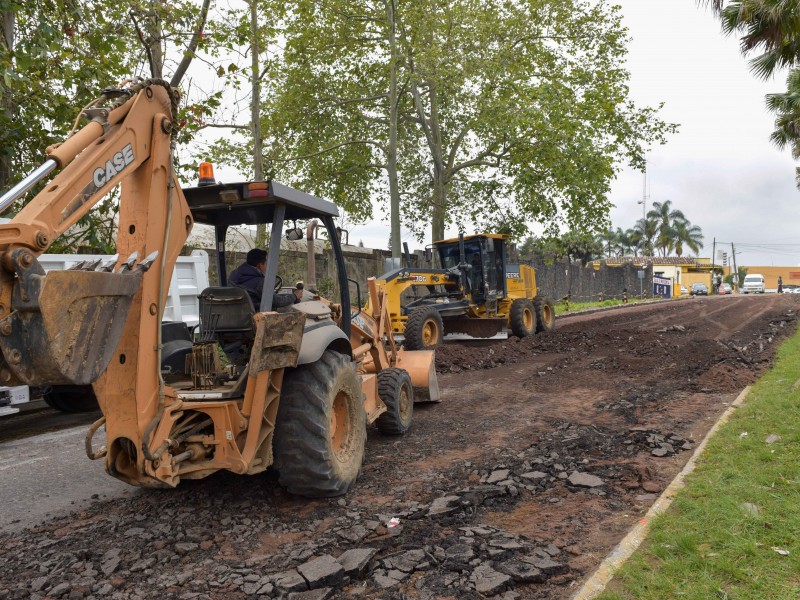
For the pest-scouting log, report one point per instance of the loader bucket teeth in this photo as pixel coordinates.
(69, 334)
(91, 265)
(108, 265)
(128, 264)
(77, 266)
(147, 262)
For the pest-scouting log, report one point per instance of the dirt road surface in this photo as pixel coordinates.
(544, 452)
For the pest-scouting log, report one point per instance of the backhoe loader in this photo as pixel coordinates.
(286, 383)
(476, 292)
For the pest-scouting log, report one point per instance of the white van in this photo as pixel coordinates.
(753, 284)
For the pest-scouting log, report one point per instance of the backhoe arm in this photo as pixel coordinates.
(64, 328)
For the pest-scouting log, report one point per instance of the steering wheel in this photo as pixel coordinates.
(278, 283)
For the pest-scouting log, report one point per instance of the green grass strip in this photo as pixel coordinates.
(726, 534)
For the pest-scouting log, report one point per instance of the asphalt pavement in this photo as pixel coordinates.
(49, 475)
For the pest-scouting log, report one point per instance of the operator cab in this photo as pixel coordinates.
(484, 259)
(226, 312)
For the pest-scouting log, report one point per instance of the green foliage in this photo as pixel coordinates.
(771, 27)
(575, 247)
(62, 53)
(504, 114)
(732, 278)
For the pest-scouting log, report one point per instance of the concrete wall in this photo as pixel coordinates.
(361, 264)
(587, 284)
(584, 284)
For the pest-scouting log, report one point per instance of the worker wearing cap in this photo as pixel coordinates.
(250, 275)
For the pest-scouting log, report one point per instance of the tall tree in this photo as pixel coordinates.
(644, 235)
(667, 218)
(524, 112)
(687, 235)
(495, 116)
(769, 26)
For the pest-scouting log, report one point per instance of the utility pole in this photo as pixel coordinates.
(735, 268)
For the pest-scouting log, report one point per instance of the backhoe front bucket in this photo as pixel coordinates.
(421, 367)
(68, 335)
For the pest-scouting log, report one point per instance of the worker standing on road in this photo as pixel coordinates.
(780, 284)
(250, 275)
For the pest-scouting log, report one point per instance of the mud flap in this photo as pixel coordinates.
(474, 327)
(421, 367)
(66, 331)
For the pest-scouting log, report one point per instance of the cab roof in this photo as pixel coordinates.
(239, 204)
(496, 236)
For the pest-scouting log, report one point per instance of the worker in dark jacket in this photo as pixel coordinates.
(250, 275)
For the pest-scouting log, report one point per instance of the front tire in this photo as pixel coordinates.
(321, 428)
(545, 314)
(397, 393)
(522, 318)
(424, 329)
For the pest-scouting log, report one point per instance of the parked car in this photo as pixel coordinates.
(684, 291)
(699, 289)
(725, 289)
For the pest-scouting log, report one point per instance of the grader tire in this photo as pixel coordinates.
(522, 318)
(321, 428)
(71, 398)
(424, 329)
(397, 392)
(545, 314)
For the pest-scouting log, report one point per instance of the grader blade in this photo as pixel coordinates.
(65, 327)
(477, 328)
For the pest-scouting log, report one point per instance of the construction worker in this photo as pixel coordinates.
(250, 275)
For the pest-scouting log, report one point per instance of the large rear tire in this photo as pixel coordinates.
(71, 398)
(545, 313)
(424, 329)
(522, 318)
(397, 392)
(321, 428)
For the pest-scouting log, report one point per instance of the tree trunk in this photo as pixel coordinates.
(255, 110)
(154, 38)
(6, 104)
(391, 150)
(439, 208)
(440, 175)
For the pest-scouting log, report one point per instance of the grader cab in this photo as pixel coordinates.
(476, 292)
(293, 382)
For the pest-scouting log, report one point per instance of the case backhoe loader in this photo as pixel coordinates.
(476, 292)
(283, 383)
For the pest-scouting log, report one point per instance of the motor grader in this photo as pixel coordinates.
(475, 292)
(287, 383)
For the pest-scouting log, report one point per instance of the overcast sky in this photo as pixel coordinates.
(720, 169)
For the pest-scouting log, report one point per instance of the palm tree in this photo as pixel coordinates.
(607, 240)
(625, 242)
(667, 218)
(786, 107)
(772, 26)
(644, 235)
(687, 235)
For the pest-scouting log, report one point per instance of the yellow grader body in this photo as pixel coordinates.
(288, 380)
(475, 292)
